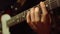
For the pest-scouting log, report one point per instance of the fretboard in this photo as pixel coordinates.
(50, 4)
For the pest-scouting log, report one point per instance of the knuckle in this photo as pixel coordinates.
(32, 9)
(42, 20)
(42, 4)
(37, 20)
(31, 12)
(32, 21)
(28, 13)
(37, 9)
(45, 13)
(28, 21)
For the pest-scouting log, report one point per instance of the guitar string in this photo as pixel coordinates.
(12, 20)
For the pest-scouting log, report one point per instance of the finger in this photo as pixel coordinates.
(37, 14)
(43, 8)
(32, 14)
(44, 12)
(28, 17)
(29, 21)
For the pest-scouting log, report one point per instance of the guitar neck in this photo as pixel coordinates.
(22, 16)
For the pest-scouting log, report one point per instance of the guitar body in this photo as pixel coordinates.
(6, 17)
(5, 28)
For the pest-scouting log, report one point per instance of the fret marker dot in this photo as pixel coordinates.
(17, 20)
(46, 5)
(16, 8)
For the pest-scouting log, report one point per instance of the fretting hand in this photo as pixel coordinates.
(39, 22)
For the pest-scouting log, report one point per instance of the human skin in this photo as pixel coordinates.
(40, 23)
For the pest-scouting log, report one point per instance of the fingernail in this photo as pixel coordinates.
(36, 9)
(42, 4)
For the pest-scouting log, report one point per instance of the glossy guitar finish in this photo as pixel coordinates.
(5, 28)
(21, 16)
(7, 21)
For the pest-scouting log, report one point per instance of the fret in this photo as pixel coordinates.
(46, 3)
(53, 4)
(51, 1)
(22, 16)
(16, 19)
(58, 3)
(11, 21)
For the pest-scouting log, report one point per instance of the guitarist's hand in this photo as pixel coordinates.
(39, 22)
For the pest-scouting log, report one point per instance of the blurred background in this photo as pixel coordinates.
(13, 7)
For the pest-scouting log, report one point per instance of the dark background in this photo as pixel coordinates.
(23, 28)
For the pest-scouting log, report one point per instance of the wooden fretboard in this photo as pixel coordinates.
(50, 4)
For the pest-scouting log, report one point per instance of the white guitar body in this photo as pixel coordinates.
(5, 28)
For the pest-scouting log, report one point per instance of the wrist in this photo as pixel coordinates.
(44, 28)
